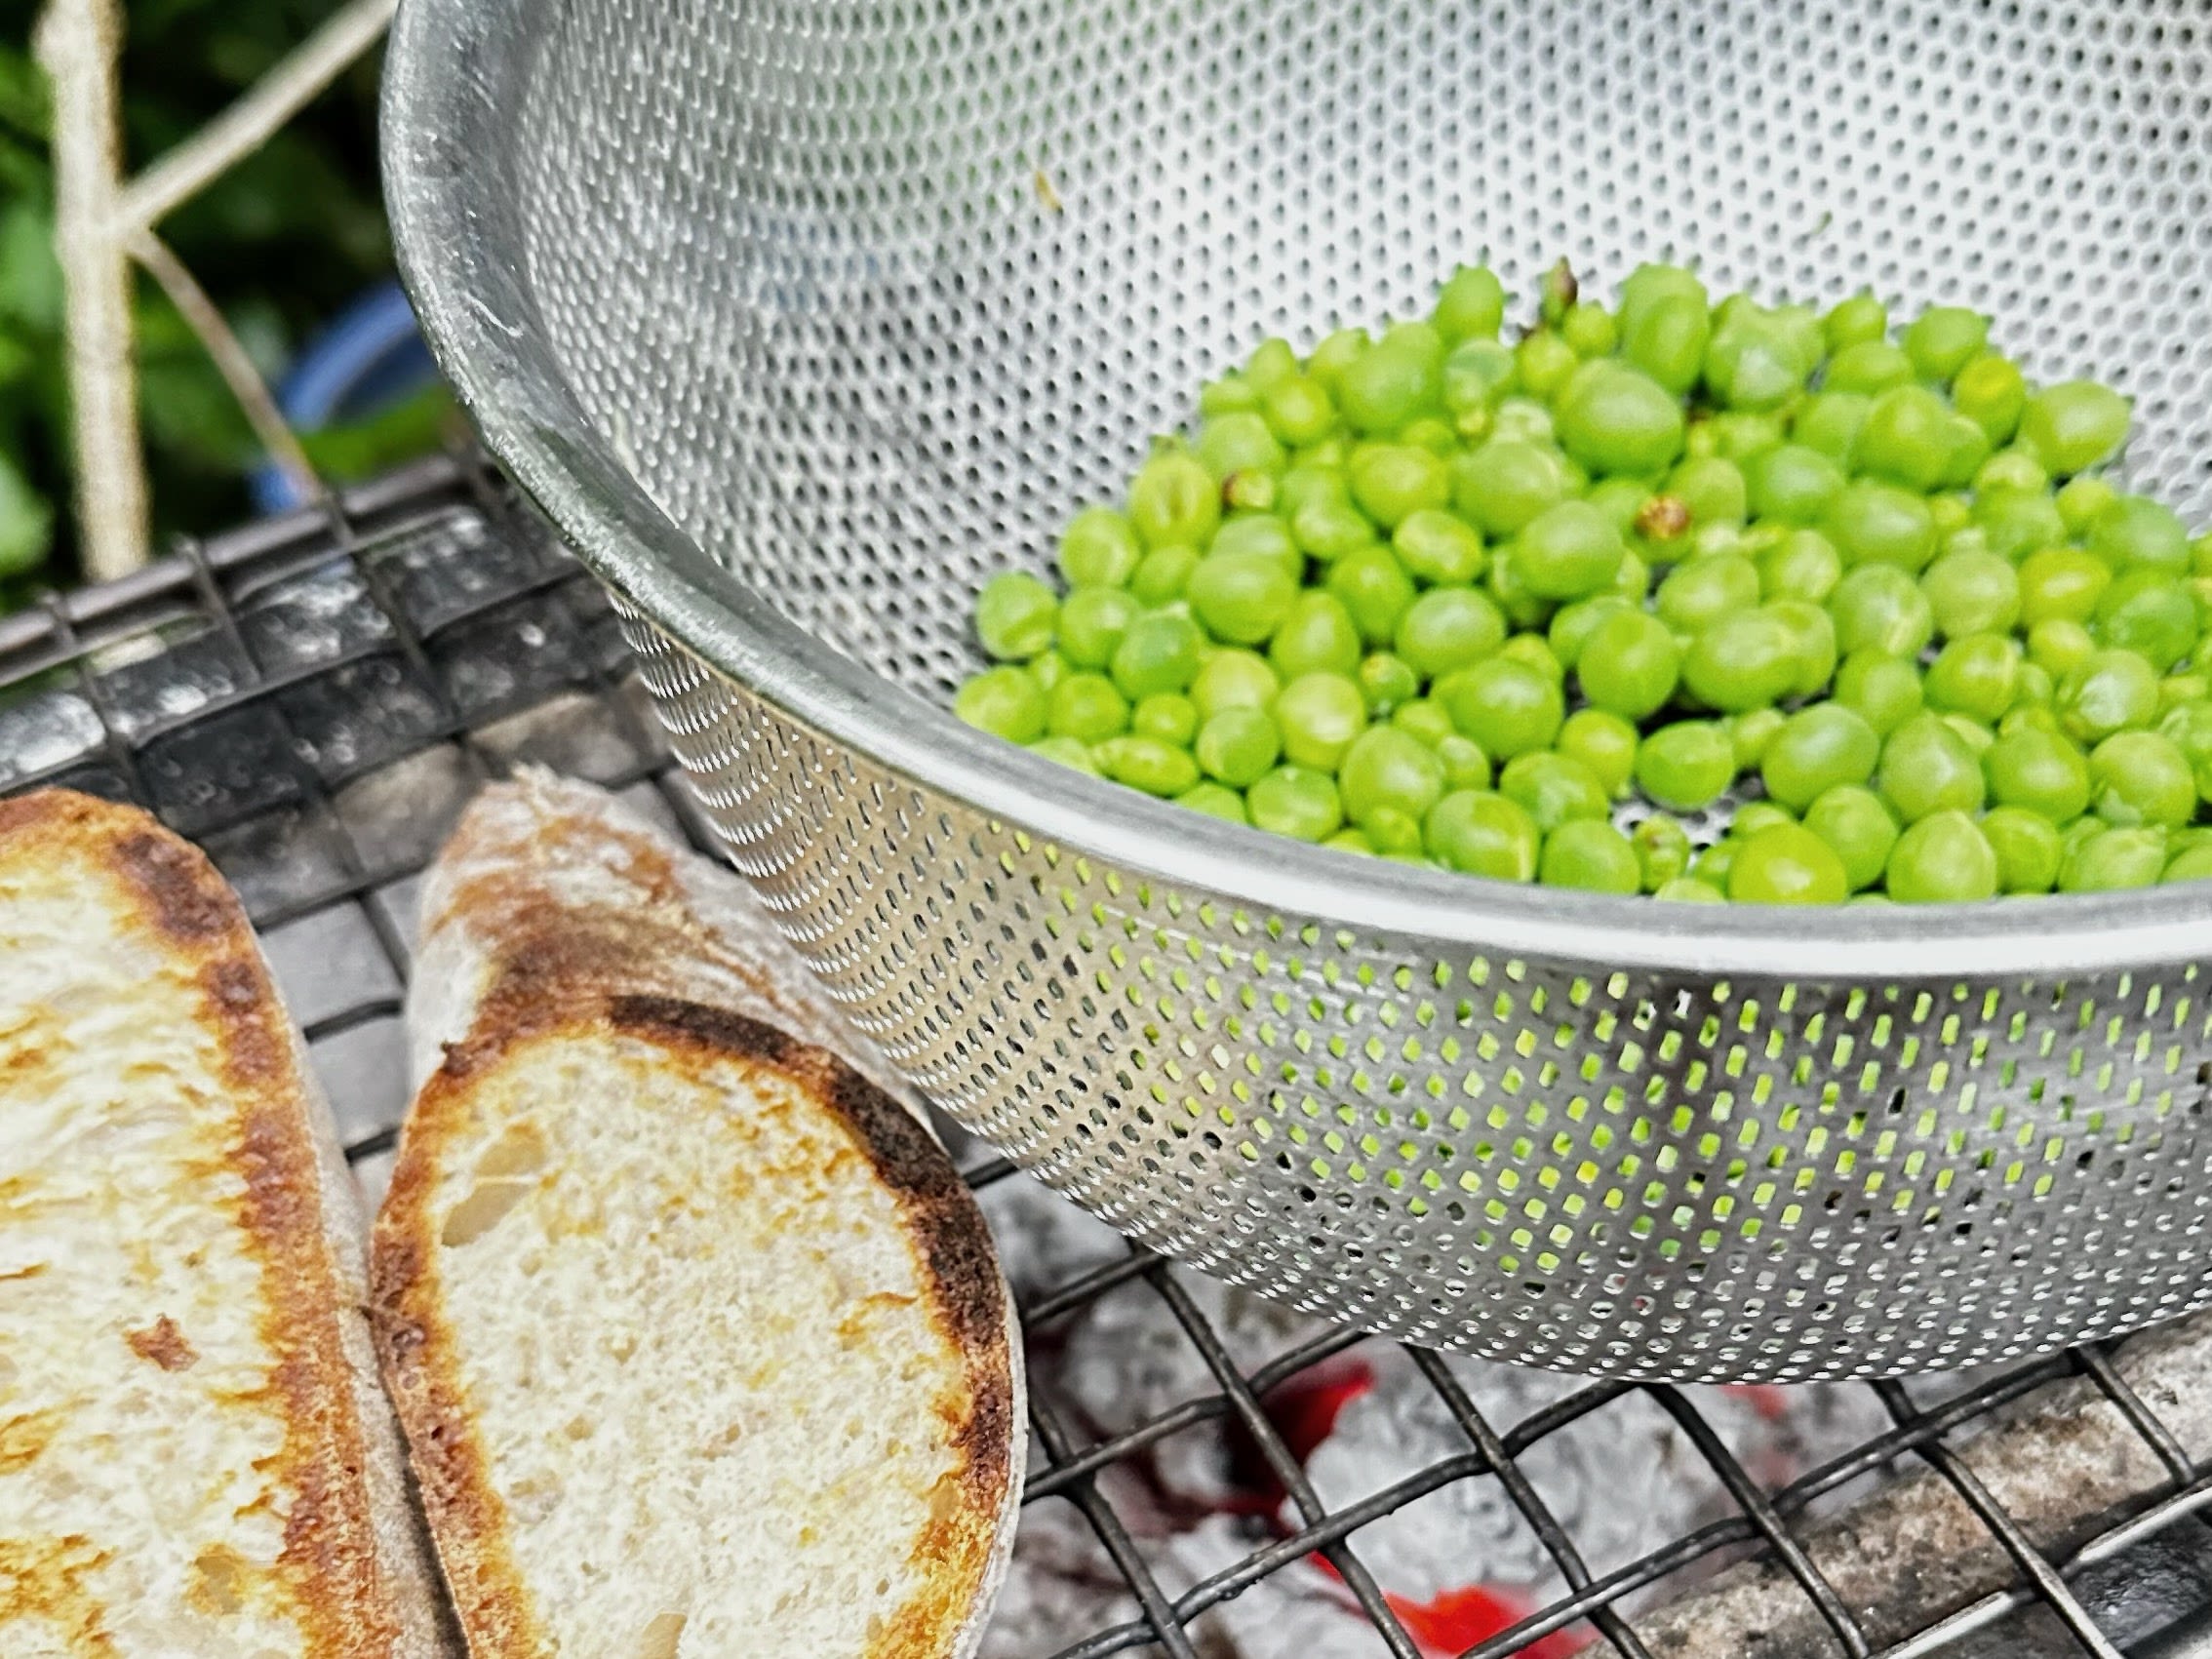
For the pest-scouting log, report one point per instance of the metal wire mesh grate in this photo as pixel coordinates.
(315, 698)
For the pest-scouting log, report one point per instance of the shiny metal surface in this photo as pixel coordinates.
(800, 318)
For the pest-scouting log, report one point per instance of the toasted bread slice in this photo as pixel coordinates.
(696, 1335)
(195, 1456)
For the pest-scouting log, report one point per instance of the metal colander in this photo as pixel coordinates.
(800, 317)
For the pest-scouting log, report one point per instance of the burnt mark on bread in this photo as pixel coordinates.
(181, 893)
(162, 1344)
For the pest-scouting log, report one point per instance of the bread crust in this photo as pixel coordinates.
(554, 916)
(353, 1554)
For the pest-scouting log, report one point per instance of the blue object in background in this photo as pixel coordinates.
(366, 359)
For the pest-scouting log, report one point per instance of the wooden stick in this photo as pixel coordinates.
(249, 121)
(230, 358)
(78, 42)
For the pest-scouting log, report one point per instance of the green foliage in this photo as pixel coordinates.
(281, 242)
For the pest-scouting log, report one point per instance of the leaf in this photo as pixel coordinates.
(26, 523)
(31, 278)
(362, 448)
(26, 105)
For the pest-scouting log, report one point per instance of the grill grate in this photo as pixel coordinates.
(314, 698)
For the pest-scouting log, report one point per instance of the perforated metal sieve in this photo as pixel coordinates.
(800, 318)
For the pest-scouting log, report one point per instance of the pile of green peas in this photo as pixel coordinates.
(1476, 605)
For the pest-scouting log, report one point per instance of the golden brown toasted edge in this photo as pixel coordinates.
(335, 1545)
(963, 1547)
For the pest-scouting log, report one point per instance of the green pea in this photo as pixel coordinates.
(1336, 353)
(1714, 489)
(1702, 591)
(2039, 772)
(1804, 566)
(1015, 616)
(1319, 715)
(1386, 770)
(1503, 485)
(1350, 841)
(1240, 442)
(1816, 750)
(1395, 379)
(1214, 802)
(1387, 681)
(1883, 690)
(1591, 856)
(2191, 864)
(1299, 410)
(1684, 889)
(1296, 802)
(1536, 651)
(1751, 733)
(2112, 861)
(2074, 426)
(1553, 789)
(1687, 766)
(1869, 367)
(1068, 752)
(1972, 593)
(1812, 633)
(1395, 835)
(1049, 669)
(1568, 551)
(1862, 317)
(1829, 424)
(1328, 526)
(1906, 438)
(1087, 708)
(1753, 365)
(1572, 624)
(1233, 678)
(1319, 636)
(1272, 361)
(1713, 865)
(1509, 706)
(2084, 500)
(2028, 850)
(1439, 547)
(1942, 858)
(1878, 524)
(1662, 850)
(1238, 746)
(2147, 611)
(1147, 764)
(1630, 665)
(1520, 608)
(1858, 828)
(1465, 765)
(1174, 502)
(1743, 661)
(1787, 864)
(1882, 608)
(1391, 482)
(1927, 766)
(1993, 393)
(1099, 548)
(1159, 653)
(1542, 362)
(1482, 834)
(1168, 716)
(1006, 701)
(1424, 718)
(1794, 484)
(1230, 394)
(1263, 536)
(1976, 675)
(1241, 598)
(1448, 628)
(1942, 340)
(1524, 419)
(2141, 777)
(2137, 531)
(1588, 328)
(2111, 690)
(1966, 448)
(1616, 419)
(2190, 727)
(1374, 590)
(1470, 305)
(1159, 581)
(1667, 337)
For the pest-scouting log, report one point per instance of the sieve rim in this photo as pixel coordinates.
(445, 64)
